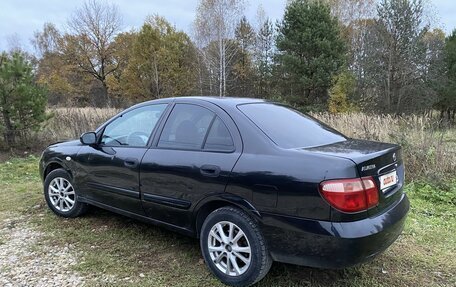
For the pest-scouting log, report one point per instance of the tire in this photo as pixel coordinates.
(246, 236)
(59, 193)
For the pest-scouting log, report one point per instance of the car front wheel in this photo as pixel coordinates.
(234, 248)
(61, 196)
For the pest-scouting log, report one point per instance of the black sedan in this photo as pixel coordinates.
(255, 181)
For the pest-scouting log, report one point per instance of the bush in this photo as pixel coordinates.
(22, 102)
(341, 93)
(443, 192)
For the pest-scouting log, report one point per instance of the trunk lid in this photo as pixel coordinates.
(376, 159)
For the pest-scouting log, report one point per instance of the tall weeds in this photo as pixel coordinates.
(68, 123)
(429, 151)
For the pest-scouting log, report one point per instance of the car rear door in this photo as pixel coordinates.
(190, 159)
(109, 172)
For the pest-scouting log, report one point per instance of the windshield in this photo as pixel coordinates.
(289, 128)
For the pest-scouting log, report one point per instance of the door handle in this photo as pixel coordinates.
(210, 170)
(131, 162)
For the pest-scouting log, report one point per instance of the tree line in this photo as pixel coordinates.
(337, 55)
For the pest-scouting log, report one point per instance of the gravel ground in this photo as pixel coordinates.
(26, 262)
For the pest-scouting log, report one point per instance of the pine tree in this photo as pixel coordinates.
(22, 102)
(447, 99)
(243, 72)
(264, 56)
(311, 51)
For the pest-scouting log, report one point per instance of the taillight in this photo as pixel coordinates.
(350, 195)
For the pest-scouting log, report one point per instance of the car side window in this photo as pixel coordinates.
(219, 138)
(186, 127)
(133, 128)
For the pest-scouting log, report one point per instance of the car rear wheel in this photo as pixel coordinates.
(234, 248)
(61, 196)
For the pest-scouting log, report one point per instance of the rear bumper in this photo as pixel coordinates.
(326, 244)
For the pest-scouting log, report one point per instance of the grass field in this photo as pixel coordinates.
(104, 249)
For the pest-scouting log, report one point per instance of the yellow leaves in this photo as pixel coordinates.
(339, 94)
(160, 62)
(56, 83)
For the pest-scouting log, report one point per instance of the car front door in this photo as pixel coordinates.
(110, 169)
(192, 158)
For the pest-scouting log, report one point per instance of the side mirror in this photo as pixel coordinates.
(89, 138)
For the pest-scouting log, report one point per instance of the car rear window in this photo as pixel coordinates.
(289, 128)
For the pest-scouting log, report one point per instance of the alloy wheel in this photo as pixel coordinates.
(229, 248)
(61, 194)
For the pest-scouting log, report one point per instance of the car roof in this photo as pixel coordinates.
(220, 101)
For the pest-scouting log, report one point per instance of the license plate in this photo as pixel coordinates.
(388, 180)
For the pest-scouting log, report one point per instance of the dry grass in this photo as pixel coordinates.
(69, 123)
(429, 150)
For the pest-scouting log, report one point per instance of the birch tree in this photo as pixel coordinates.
(354, 17)
(214, 27)
(264, 54)
(400, 53)
(355, 21)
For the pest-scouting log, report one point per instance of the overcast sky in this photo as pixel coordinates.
(20, 18)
